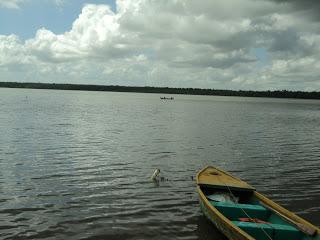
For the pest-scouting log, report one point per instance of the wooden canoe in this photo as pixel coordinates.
(242, 213)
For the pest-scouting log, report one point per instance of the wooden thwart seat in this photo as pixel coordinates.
(264, 231)
(234, 211)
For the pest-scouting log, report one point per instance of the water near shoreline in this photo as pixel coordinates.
(75, 164)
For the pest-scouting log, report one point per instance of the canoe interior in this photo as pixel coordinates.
(244, 206)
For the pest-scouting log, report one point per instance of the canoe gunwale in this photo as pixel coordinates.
(272, 205)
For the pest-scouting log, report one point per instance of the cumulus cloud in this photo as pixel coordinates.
(208, 44)
(95, 30)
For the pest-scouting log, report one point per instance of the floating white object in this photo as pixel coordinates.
(155, 174)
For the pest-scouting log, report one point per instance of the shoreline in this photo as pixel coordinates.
(164, 90)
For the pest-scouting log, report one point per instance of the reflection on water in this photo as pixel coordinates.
(76, 165)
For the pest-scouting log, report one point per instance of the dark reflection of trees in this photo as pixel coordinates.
(190, 91)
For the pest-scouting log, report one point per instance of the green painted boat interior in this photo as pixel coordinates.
(270, 226)
(275, 228)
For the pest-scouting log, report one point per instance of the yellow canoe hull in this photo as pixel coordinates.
(211, 176)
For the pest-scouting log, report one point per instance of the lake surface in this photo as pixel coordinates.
(76, 165)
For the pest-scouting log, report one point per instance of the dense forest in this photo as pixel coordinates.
(165, 90)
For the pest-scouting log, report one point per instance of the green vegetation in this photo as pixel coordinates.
(189, 91)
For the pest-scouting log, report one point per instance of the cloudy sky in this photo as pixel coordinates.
(222, 44)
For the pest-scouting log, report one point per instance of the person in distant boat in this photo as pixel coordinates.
(165, 98)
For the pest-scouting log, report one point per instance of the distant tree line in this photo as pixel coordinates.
(166, 90)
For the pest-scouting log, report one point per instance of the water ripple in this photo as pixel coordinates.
(76, 165)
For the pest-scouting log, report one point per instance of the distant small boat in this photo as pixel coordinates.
(242, 213)
(166, 98)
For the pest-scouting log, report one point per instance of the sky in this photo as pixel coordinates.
(221, 44)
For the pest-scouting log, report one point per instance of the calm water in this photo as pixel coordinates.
(76, 165)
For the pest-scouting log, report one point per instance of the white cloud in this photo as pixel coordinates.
(94, 31)
(12, 51)
(174, 43)
(15, 4)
